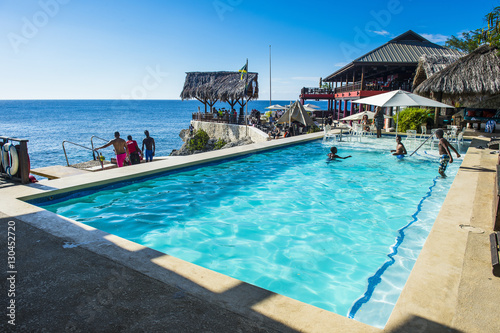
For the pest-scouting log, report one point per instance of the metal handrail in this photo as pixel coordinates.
(76, 144)
(92, 144)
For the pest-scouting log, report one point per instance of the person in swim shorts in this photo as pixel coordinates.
(400, 151)
(149, 142)
(444, 151)
(121, 149)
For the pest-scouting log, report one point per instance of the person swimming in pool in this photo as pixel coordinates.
(444, 151)
(333, 154)
(400, 151)
(121, 149)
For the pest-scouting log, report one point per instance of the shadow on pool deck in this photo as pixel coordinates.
(64, 287)
(75, 290)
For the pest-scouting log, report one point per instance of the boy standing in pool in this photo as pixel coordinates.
(333, 154)
(400, 151)
(444, 151)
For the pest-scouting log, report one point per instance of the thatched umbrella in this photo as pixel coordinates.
(469, 79)
(430, 64)
(210, 87)
(296, 113)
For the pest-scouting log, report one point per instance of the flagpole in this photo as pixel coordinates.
(246, 93)
(270, 99)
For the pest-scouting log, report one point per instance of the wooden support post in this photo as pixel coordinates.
(437, 111)
(362, 78)
(24, 162)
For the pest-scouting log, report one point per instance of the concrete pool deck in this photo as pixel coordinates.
(72, 277)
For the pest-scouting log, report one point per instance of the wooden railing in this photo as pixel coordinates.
(216, 118)
(316, 91)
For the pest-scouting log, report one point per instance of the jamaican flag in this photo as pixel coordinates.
(243, 70)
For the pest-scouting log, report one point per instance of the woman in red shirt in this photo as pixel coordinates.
(134, 150)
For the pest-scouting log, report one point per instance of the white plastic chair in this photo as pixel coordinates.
(433, 140)
(423, 131)
(452, 135)
(460, 140)
(357, 132)
(411, 138)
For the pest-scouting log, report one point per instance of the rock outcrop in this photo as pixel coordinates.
(211, 144)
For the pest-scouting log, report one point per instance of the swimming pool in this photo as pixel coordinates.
(287, 221)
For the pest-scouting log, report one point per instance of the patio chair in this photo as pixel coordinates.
(451, 136)
(433, 141)
(411, 138)
(460, 141)
(357, 132)
(423, 131)
(328, 134)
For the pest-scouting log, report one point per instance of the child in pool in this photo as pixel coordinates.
(400, 151)
(333, 154)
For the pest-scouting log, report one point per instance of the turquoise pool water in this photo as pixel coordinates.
(342, 236)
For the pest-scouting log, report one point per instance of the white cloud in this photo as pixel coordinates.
(435, 38)
(382, 32)
(340, 64)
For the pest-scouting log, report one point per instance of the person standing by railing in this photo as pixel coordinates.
(121, 149)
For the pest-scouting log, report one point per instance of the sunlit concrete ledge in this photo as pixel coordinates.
(437, 296)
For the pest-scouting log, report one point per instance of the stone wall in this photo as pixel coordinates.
(229, 132)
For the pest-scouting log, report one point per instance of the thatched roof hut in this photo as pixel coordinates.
(469, 79)
(210, 87)
(488, 103)
(430, 64)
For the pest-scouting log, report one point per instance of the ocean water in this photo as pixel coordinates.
(47, 123)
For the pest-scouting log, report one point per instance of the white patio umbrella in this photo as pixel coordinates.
(308, 108)
(399, 98)
(312, 106)
(359, 116)
(276, 107)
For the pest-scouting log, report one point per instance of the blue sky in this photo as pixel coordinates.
(76, 49)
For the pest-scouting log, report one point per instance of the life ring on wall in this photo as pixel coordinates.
(10, 160)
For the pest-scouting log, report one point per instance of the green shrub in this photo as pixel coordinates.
(219, 144)
(313, 129)
(412, 118)
(198, 141)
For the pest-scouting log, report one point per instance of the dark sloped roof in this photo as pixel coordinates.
(222, 86)
(407, 48)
